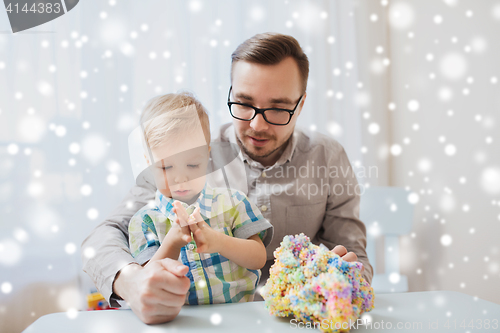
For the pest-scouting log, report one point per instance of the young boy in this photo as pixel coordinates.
(218, 233)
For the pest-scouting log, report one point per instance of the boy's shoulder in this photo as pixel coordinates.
(225, 199)
(227, 193)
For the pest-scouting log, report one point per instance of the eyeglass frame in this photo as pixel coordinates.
(261, 111)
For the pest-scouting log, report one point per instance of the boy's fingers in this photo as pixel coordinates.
(186, 230)
(200, 237)
(197, 216)
(180, 210)
(187, 238)
(194, 220)
(181, 214)
(193, 227)
(190, 220)
(201, 242)
(183, 224)
(180, 222)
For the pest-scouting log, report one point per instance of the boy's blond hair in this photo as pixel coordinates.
(173, 115)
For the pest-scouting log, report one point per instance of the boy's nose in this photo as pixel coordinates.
(259, 124)
(180, 179)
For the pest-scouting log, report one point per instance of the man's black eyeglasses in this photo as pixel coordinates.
(274, 116)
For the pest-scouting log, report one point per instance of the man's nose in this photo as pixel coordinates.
(259, 123)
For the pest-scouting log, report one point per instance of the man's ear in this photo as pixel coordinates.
(301, 105)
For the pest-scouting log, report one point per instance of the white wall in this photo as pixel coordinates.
(458, 106)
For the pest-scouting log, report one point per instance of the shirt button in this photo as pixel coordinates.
(264, 174)
(263, 208)
(191, 246)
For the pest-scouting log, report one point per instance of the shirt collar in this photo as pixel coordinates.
(166, 204)
(286, 156)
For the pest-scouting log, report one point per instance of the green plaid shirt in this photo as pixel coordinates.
(214, 278)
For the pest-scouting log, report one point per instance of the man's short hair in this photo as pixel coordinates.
(173, 115)
(271, 48)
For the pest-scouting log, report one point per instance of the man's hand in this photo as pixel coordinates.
(156, 292)
(347, 256)
(207, 239)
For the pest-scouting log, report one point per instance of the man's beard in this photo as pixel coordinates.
(256, 155)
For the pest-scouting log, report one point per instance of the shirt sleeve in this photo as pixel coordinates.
(106, 250)
(341, 224)
(143, 236)
(248, 220)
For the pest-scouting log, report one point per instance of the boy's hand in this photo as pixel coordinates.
(179, 234)
(207, 239)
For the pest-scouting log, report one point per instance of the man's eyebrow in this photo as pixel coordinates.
(243, 96)
(283, 100)
(280, 100)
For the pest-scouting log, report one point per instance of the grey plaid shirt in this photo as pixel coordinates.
(312, 189)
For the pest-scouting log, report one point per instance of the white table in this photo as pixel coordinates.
(420, 311)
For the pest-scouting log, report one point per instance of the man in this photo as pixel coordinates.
(301, 183)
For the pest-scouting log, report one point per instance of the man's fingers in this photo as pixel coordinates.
(174, 267)
(161, 298)
(340, 250)
(159, 315)
(158, 291)
(351, 256)
(173, 284)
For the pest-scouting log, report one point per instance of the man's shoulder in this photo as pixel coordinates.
(223, 132)
(149, 210)
(316, 142)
